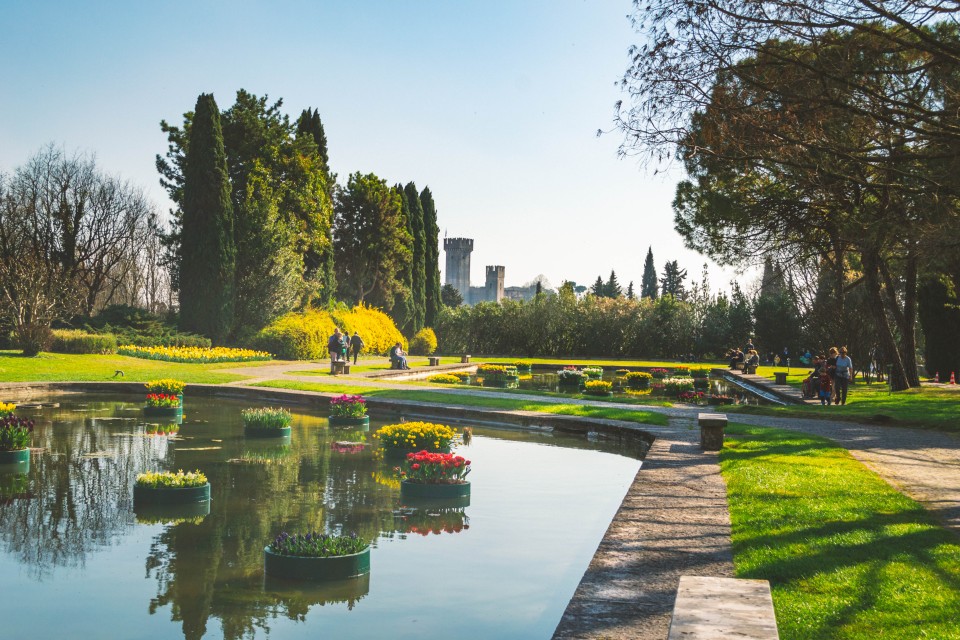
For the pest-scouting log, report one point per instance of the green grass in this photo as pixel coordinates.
(629, 415)
(926, 407)
(57, 367)
(847, 556)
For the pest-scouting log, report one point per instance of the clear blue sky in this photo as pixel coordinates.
(495, 105)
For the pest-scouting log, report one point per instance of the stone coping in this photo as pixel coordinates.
(711, 608)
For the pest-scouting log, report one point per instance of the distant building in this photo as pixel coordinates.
(457, 273)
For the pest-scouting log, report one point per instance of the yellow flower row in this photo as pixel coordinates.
(416, 435)
(168, 479)
(193, 354)
(7, 407)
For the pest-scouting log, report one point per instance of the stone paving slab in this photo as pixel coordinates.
(709, 608)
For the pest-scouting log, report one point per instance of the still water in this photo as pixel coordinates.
(76, 561)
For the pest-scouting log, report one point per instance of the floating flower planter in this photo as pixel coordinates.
(434, 476)
(349, 411)
(15, 457)
(166, 487)
(419, 490)
(316, 557)
(15, 436)
(408, 437)
(598, 388)
(267, 422)
(164, 398)
(163, 412)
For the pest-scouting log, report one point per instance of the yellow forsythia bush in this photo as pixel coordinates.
(424, 342)
(303, 335)
(377, 329)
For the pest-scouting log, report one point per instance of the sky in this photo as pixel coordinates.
(494, 105)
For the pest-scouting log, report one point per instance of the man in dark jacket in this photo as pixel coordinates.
(356, 342)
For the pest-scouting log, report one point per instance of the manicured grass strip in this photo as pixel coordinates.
(847, 556)
(926, 407)
(58, 367)
(629, 415)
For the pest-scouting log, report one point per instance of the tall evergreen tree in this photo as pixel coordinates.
(322, 264)
(431, 231)
(672, 280)
(630, 294)
(419, 288)
(648, 284)
(309, 124)
(207, 252)
(612, 287)
(402, 311)
(598, 289)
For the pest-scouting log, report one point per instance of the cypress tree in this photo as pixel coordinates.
(630, 294)
(323, 265)
(432, 257)
(598, 289)
(418, 281)
(612, 287)
(648, 284)
(403, 309)
(207, 246)
(310, 124)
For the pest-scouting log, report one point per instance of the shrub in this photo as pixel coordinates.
(444, 378)
(317, 545)
(377, 329)
(424, 342)
(415, 436)
(76, 341)
(638, 379)
(171, 480)
(597, 387)
(267, 418)
(15, 432)
(297, 336)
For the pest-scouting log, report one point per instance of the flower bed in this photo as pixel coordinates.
(425, 467)
(700, 372)
(171, 480)
(444, 378)
(598, 388)
(163, 400)
(166, 386)
(267, 422)
(15, 436)
(314, 556)
(415, 436)
(593, 372)
(638, 379)
(659, 373)
(348, 411)
(676, 386)
(193, 354)
(694, 397)
(570, 377)
(166, 487)
(523, 366)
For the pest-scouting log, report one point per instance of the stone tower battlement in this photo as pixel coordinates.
(457, 273)
(494, 284)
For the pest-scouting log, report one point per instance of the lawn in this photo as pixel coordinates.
(56, 367)
(847, 556)
(926, 407)
(612, 413)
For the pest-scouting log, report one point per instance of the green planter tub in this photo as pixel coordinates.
(170, 495)
(417, 490)
(363, 422)
(16, 456)
(164, 412)
(266, 432)
(308, 568)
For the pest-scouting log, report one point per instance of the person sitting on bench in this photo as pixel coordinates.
(398, 358)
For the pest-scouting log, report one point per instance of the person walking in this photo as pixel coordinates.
(843, 376)
(356, 342)
(831, 368)
(335, 345)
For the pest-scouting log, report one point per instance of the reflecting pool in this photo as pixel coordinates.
(78, 561)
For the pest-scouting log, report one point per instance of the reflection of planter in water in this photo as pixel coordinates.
(346, 446)
(171, 513)
(410, 489)
(14, 483)
(433, 520)
(17, 456)
(309, 568)
(396, 454)
(502, 382)
(435, 503)
(570, 385)
(602, 394)
(166, 412)
(170, 495)
(349, 421)
(266, 432)
(297, 596)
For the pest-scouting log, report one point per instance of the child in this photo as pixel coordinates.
(826, 387)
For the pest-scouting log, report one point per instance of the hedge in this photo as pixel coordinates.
(76, 341)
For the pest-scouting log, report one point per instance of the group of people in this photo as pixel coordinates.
(830, 378)
(748, 357)
(340, 345)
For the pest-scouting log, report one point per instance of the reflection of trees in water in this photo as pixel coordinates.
(215, 569)
(81, 488)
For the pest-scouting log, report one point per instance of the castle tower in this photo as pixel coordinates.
(457, 273)
(494, 288)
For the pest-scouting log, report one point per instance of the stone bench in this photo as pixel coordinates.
(434, 361)
(750, 369)
(465, 359)
(711, 430)
(339, 367)
(722, 608)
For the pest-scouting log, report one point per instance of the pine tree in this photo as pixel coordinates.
(419, 280)
(612, 288)
(630, 294)
(207, 253)
(648, 284)
(431, 258)
(598, 289)
(672, 280)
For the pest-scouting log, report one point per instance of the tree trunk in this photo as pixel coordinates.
(898, 377)
(906, 317)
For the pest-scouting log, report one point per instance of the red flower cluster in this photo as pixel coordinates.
(435, 468)
(162, 400)
(690, 396)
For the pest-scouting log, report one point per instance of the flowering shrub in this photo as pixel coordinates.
(162, 430)
(193, 354)
(593, 372)
(570, 376)
(317, 545)
(659, 373)
(444, 378)
(267, 418)
(598, 387)
(690, 396)
(415, 436)
(165, 400)
(638, 379)
(434, 468)
(424, 342)
(171, 480)
(166, 385)
(674, 386)
(348, 406)
(15, 432)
